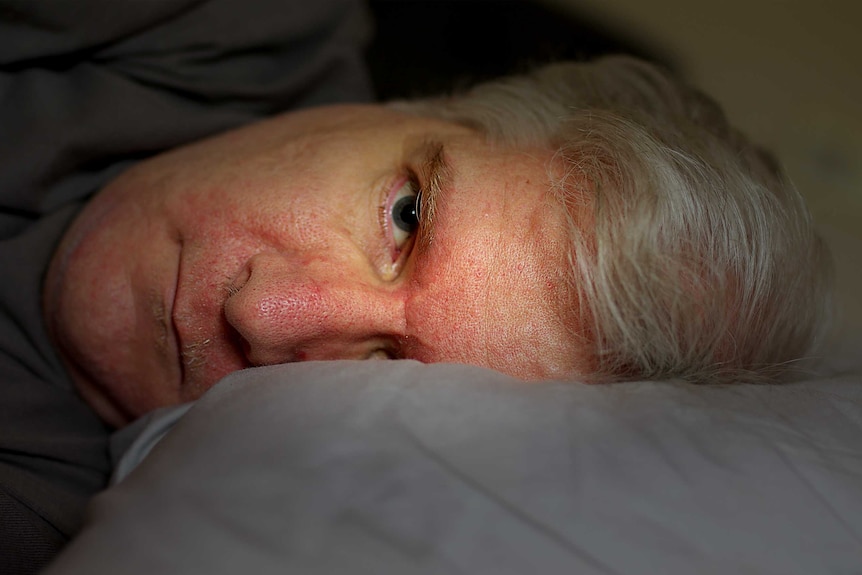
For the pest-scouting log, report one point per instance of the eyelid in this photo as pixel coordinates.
(428, 168)
(395, 257)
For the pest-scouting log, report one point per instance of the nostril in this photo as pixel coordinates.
(238, 282)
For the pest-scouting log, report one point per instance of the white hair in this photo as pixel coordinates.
(699, 260)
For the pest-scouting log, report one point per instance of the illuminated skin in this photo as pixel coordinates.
(276, 243)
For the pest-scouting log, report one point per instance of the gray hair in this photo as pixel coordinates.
(699, 259)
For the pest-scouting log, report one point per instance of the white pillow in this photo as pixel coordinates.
(399, 467)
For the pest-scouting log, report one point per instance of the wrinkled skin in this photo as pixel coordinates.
(276, 243)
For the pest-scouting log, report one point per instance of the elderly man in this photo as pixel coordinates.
(595, 221)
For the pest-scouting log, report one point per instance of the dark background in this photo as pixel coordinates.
(424, 47)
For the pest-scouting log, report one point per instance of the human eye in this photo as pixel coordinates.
(402, 215)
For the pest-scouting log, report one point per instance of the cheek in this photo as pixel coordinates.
(94, 303)
(88, 266)
(301, 218)
(278, 209)
(99, 310)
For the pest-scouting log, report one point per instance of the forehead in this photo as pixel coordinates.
(492, 280)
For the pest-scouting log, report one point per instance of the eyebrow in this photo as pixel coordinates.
(435, 173)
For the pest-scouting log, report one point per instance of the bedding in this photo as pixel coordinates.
(400, 467)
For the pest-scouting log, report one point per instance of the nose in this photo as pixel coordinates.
(293, 308)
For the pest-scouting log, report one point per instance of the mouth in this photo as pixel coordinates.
(177, 339)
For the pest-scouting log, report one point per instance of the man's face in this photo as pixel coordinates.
(295, 239)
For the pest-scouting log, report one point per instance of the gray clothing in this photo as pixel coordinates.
(86, 89)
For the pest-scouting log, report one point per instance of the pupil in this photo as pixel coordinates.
(405, 213)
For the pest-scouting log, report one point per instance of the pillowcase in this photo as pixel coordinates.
(400, 467)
